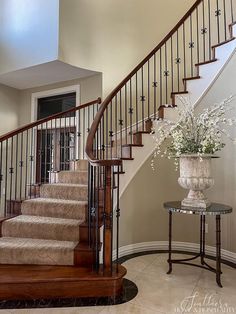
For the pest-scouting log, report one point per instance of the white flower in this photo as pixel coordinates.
(200, 134)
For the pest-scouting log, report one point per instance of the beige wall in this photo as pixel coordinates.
(143, 216)
(9, 107)
(90, 89)
(113, 36)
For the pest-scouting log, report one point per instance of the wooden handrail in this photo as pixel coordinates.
(44, 120)
(89, 144)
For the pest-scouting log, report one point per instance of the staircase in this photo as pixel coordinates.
(47, 232)
(60, 211)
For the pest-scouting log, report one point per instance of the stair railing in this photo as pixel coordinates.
(33, 154)
(141, 97)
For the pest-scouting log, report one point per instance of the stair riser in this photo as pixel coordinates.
(73, 177)
(64, 192)
(137, 139)
(54, 210)
(84, 233)
(34, 256)
(40, 231)
(84, 258)
(79, 165)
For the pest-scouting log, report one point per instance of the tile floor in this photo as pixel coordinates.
(186, 290)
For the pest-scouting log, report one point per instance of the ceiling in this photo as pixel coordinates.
(43, 74)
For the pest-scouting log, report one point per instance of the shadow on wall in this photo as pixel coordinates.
(143, 218)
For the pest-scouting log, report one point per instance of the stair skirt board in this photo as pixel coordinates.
(24, 282)
(178, 246)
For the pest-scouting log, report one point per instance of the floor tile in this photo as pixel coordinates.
(129, 308)
(186, 290)
(80, 310)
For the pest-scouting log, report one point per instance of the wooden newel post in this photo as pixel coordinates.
(108, 221)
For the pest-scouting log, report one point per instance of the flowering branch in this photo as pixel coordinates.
(194, 134)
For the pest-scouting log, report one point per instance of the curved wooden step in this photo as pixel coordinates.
(45, 282)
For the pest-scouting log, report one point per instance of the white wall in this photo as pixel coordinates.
(9, 106)
(143, 217)
(28, 33)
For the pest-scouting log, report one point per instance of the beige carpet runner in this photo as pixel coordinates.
(48, 230)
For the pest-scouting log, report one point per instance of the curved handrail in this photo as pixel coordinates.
(44, 120)
(89, 144)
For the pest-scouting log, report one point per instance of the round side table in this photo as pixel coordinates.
(213, 210)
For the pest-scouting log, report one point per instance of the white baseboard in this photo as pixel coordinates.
(180, 246)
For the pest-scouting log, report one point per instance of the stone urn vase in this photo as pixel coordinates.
(195, 175)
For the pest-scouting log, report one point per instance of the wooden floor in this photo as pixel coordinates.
(32, 282)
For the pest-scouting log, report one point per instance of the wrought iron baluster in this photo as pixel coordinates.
(117, 218)
(232, 11)
(155, 86)
(111, 128)
(16, 167)
(166, 74)
(136, 93)
(64, 144)
(21, 163)
(75, 138)
(209, 28)
(90, 201)
(217, 14)
(26, 161)
(31, 162)
(126, 116)
(197, 30)
(6, 177)
(171, 62)
(203, 31)
(142, 98)
(121, 124)
(11, 171)
(184, 50)
(148, 88)
(191, 44)
(178, 59)
(116, 127)
(131, 109)
(46, 133)
(161, 77)
(107, 135)
(225, 22)
(96, 197)
(1, 174)
(53, 135)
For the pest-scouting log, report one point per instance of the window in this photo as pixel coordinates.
(48, 106)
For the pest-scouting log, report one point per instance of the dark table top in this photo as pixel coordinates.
(213, 209)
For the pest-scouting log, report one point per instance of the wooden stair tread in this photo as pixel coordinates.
(141, 132)
(223, 43)
(166, 106)
(132, 145)
(191, 78)
(206, 62)
(179, 93)
(232, 24)
(127, 158)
